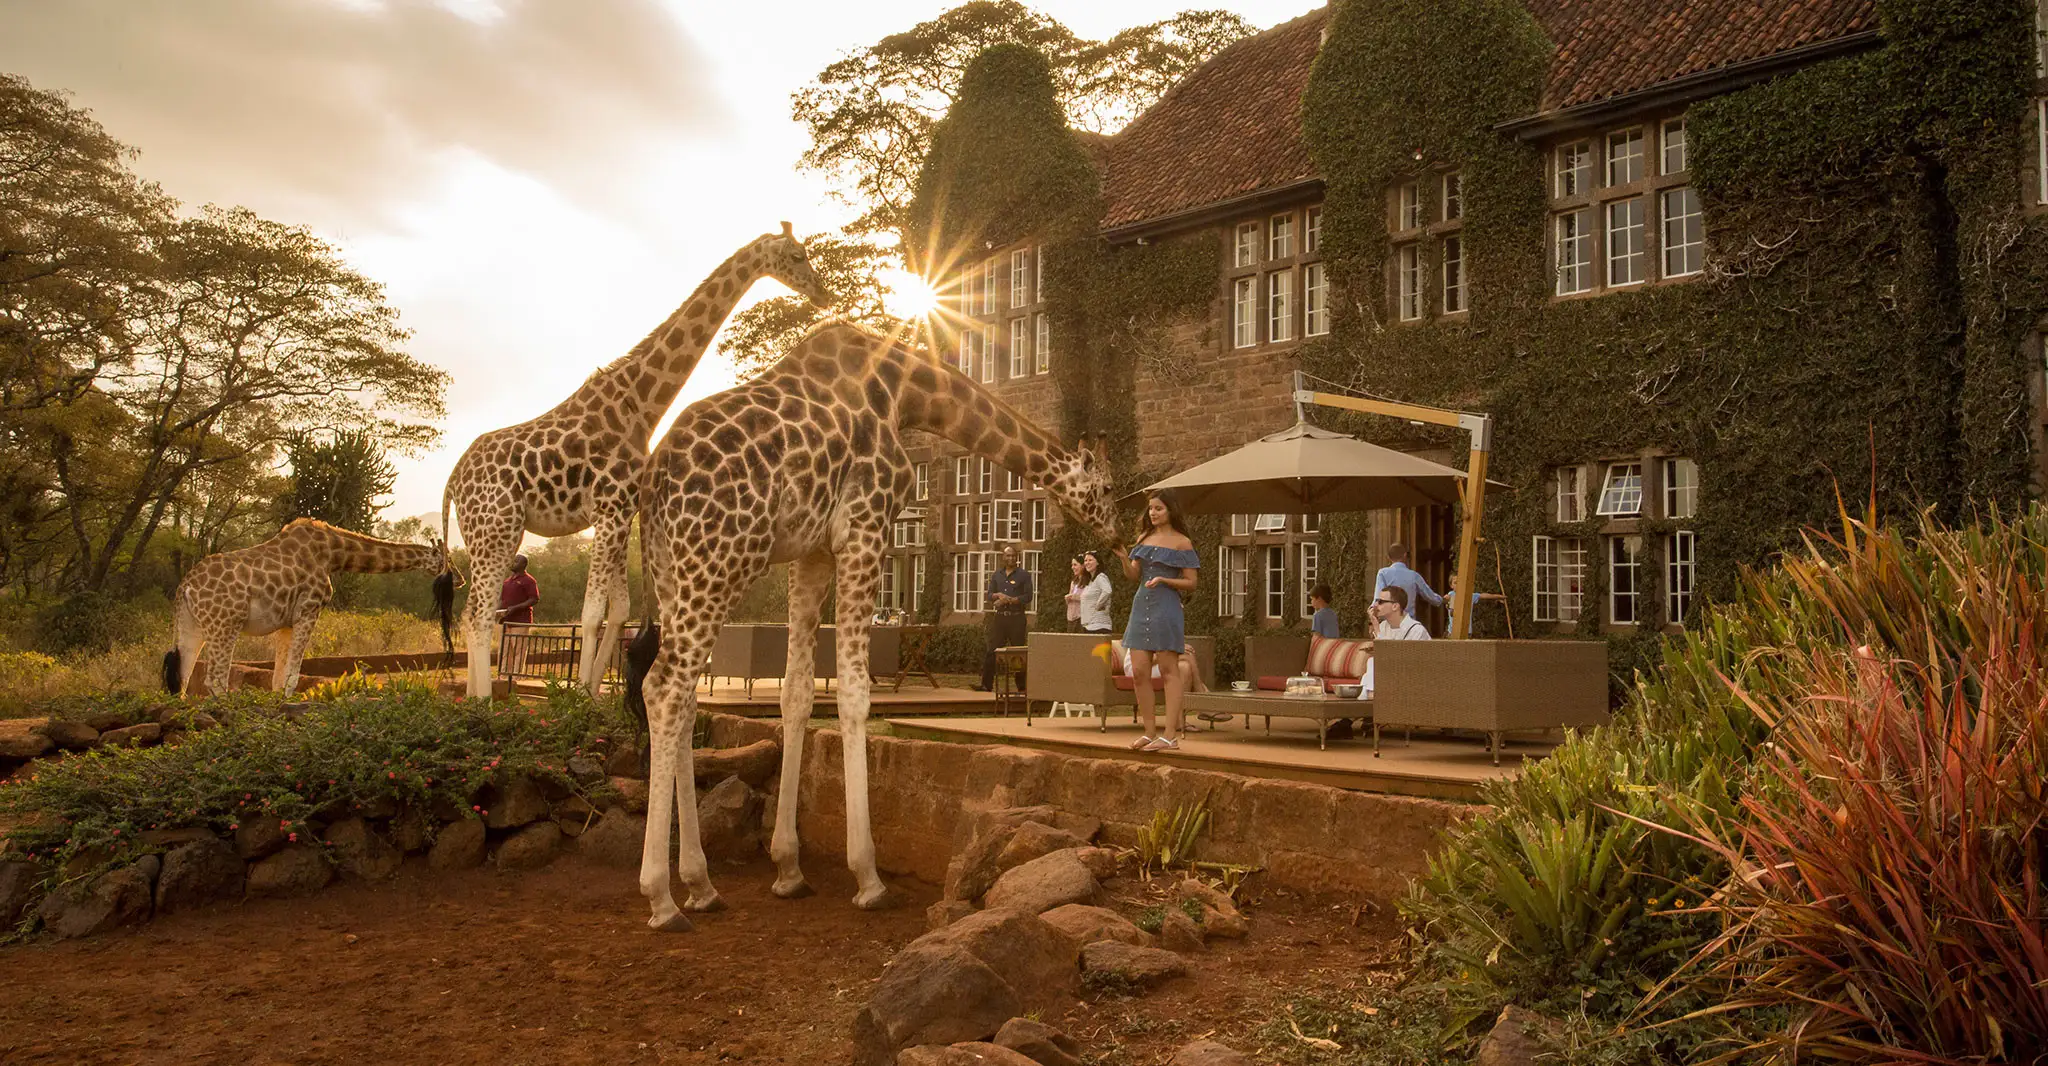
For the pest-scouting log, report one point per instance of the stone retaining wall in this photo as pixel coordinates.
(923, 794)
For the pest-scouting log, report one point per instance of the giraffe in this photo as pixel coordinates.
(574, 466)
(278, 587)
(803, 464)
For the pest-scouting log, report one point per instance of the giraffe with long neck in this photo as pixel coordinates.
(278, 588)
(805, 465)
(575, 466)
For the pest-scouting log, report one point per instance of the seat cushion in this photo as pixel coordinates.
(1336, 658)
(1271, 683)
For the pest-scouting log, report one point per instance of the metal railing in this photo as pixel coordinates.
(553, 651)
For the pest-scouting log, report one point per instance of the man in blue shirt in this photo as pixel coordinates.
(1396, 575)
(1006, 598)
(1323, 622)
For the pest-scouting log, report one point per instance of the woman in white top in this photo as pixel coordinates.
(1074, 594)
(1093, 597)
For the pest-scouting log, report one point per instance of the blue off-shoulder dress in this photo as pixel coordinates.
(1156, 623)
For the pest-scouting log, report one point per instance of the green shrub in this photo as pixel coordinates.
(957, 649)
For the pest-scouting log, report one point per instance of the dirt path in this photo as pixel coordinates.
(557, 966)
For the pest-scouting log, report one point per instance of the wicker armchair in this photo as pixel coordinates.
(1491, 686)
(750, 652)
(1068, 668)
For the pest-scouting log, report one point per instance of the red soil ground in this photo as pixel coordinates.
(557, 966)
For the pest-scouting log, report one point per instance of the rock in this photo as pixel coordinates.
(1039, 961)
(945, 912)
(69, 735)
(295, 871)
(1515, 1040)
(729, 818)
(134, 736)
(104, 721)
(21, 884)
(974, 868)
(378, 808)
(410, 831)
(585, 768)
(531, 848)
(21, 747)
(628, 759)
(1088, 924)
(260, 837)
(1104, 863)
(1142, 967)
(1039, 1042)
(977, 1053)
(1044, 883)
(1178, 932)
(361, 851)
(458, 846)
(198, 873)
(961, 983)
(1033, 839)
(201, 721)
(936, 1055)
(513, 803)
(1220, 916)
(573, 815)
(754, 763)
(171, 838)
(632, 793)
(615, 840)
(1208, 1053)
(113, 899)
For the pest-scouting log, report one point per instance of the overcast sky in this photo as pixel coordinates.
(536, 184)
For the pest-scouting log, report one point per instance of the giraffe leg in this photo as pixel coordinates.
(671, 691)
(220, 657)
(490, 561)
(809, 579)
(190, 641)
(858, 579)
(604, 605)
(280, 653)
(295, 654)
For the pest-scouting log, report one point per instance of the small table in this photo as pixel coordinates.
(1270, 705)
(1010, 665)
(910, 655)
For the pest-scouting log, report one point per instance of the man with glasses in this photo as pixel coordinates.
(1390, 610)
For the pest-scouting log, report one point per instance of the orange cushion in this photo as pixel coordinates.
(1271, 683)
(1336, 658)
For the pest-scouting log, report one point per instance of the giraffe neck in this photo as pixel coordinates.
(357, 553)
(944, 403)
(650, 375)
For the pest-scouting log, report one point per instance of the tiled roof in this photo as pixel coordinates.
(1233, 127)
(1609, 47)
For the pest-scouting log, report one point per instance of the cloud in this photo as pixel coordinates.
(338, 110)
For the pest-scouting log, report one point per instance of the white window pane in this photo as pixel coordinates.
(1626, 250)
(1020, 277)
(1623, 557)
(1454, 275)
(1042, 350)
(1409, 206)
(1280, 239)
(1574, 253)
(1020, 347)
(1312, 231)
(1624, 156)
(1244, 313)
(1408, 283)
(1675, 160)
(1280, 305)
(1247, 244)
(1685, 238)
(1315, 300)
(1574, 169)
(1622, 493)
(1453, 196)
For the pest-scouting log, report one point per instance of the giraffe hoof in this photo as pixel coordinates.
(879, 900)
(799, 890)
(709, 906)
(674, 923)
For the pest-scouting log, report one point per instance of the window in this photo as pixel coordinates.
(1244, 331)
(1623, 492)
(961, 532)
(921, 476)
(988, 287)
(1311, 523)
(1575, 169)
(1043, 349)
(1312, 231)
(1038, 273)
(1574, 253)
(1270, 523)
(963, 475)
(1560, 570)
(1280, 305)
(1571, 498)
(1280, 236)
(1033, 561)
(1624, 156)
(984, 523)
(2041, 151)
(1310, 567)
(1680, 556)
(1623, 555)
(1626, 257)
(967, 582)
(2040, 39)
(1408, 283)
(908, 533)
(968, 339)
(1247, 244)
(1276, 581)
(1009, 520)
(1013, 481)
(1681, 488)
(988, 475)
(1039, 513)
(1315, 301)
(988, 354)
(1230, 583)
(892, 569)
(916, 583)
(1685, 238)
(1240, 525)
(1675, 161)
(1020, 347)
(1020, 277)
(1453, 203)
(1408, 207)
(1454, 275)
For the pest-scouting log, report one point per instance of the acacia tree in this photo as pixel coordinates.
(338, 478)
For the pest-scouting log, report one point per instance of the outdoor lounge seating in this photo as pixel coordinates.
(1270, 659)
(1076, 668)
(751, 652)
(1490, 686)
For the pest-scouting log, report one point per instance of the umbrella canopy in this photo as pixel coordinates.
(1306, 469)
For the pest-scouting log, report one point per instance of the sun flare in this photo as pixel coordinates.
(907, 295)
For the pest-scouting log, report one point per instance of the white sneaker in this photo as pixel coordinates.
(1143, 743)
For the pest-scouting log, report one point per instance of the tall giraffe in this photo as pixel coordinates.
(803, 464)
(279, 587)
(575, 466)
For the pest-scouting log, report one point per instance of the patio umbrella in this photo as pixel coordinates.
(1306, 469)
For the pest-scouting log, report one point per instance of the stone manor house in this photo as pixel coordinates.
(1225, 152)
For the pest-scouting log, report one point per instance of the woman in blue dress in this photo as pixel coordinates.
(1164, 564)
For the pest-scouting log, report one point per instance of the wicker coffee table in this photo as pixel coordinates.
(1270, 705)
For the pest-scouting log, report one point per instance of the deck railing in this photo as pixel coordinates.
(554, 651)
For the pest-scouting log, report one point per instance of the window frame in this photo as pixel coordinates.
(988, 354)
(1631, 135)
(1576, 179)
(1274, 567)
(988, 286)
(917, 575)
(1244, 304)
(963, 476)
(1408, 206)
(1451, 268)
(921, 480)
(1694, 250)
(1009, 521)
(1633, 250)
(1563, 560)
(1039, 517)
(1681, 478)
(985, 522)
(1612, 482)
(1231, 575)
(1020, 347)
(1270, 523)
(1666, 142)
(1408, 289)
(1308, 565)
(1312, 230)
(1280, 236)
(1451, 196)
(1681, 574)
(986, 483)
(1629, 591)
(1576, 495)
(1041, 346)
(1246, 251)
(1315, 300)
(1280, 306)
(1020, 275)
(1583, 245)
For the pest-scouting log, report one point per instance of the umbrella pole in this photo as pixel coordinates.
(1468, 535)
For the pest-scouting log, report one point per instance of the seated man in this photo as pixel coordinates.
(1390, 610)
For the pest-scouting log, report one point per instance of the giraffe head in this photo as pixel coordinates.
(1080, 481)
(784, 258)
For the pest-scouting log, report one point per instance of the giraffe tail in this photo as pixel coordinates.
(444, 602)
(639, 659)
(173, 671)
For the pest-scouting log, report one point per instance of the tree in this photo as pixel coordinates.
(338, 479)
(761, 334)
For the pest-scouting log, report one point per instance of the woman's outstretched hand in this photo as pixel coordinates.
(1153, 583)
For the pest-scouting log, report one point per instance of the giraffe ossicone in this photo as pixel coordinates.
(575, 466)
(803, 464)
(278, 588)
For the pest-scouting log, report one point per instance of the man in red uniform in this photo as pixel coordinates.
(515, 611)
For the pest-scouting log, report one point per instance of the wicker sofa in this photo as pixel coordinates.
(1489, 686)
(751, 652)
(1076, 668)
(1271, 658)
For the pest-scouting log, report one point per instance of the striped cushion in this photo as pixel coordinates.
(1336, 658)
